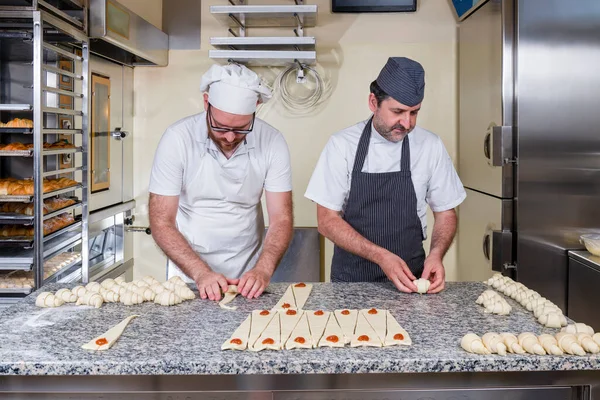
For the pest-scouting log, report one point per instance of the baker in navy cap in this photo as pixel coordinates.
(374, 182)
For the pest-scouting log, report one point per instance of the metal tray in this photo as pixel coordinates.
(27, 131)
(27, 241)
(22, 219)
(45, 152)
(29, 198)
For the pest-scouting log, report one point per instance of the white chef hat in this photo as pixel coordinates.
(234, 88)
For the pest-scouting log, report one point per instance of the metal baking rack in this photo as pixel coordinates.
(46, 46)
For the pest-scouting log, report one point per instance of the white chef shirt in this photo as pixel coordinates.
(434, 177)
(185, 142)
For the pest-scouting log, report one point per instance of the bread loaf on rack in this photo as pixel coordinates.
(50, 205)
(24, 187)
(17, 123)
(51, 225)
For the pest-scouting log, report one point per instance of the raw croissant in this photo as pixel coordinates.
(550, 344)
(529, 342)
(158, 288)
(108, 295)
(422, 285)
(167, 298)
(130, 298)
(578, 328)
(150, 280)
(568, 343)
(118, 289)
(79, 291)
(47, 299)
(131, 286)
(493, 342)
(145, 292)
(93, 287)
(170, 285)
(552, 320)
(142, 283)
(498, 307)
(587, 343)
(512, 343)
(596, 338)
(486, 295)
(66, 295)
(535, 303)
(108, 283)
(91, 299)
(119, 280)
(177, 280)
(473, 344)
(185, 293)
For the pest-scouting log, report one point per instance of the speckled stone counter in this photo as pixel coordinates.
(186, 339)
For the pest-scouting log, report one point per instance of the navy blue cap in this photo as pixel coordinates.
(404, 80)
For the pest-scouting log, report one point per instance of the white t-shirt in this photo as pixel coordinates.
(434, 177)
(184, 143)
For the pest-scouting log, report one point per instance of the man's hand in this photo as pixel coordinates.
(398, 272)
(211, 284)
(435, 273)
(254, 282)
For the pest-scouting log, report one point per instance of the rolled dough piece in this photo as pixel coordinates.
(422, 285)
(300, 337)
(364, 334)
(260, 320)
(228, 298)
(333, 335)
(150, 279)
(105, 341)
(317, 321)
(347, 321)
(377, 319)
(286, 301)
(167, 298)
(271, 336)
(90, 299)
(119, 280)
(108, 283)
(239, 338)
(93, 287)
(184, 292)
(177, 280)
(130, 298)
(66, 295)
(289, 318)
(79, 291)
(396, 335)
(301, 292)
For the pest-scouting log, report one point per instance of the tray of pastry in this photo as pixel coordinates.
(22, 281)
(12, 235)
(17, 125)
(17, 149)
(22, 213)
(21, 190)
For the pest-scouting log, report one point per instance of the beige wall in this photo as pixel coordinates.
(351, 50)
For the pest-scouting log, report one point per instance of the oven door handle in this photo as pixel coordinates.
(118, 134)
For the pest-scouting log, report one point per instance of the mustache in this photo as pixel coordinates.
(398, 127)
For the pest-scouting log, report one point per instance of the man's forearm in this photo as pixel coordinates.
(345, 236)
(177, 248)
(279, 236)
(444, 229)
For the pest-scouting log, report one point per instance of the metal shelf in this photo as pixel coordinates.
(15, 107)
(29, 198)
(29, 153)
(22, 219)
(63, 111)
(27, 242)
(27, 131)
(259, 16)
(51, 131)
(22, 259)
(264, 57)
(23, 291)
(55, 277)
(305, 43)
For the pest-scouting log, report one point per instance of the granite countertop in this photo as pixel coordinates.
(186, 339)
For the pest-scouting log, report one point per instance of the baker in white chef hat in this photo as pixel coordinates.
(207, 180)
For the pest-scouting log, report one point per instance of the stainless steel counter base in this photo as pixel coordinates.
(555, 385)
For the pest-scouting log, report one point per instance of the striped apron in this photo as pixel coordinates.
(382, 207)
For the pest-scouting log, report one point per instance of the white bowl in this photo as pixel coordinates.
(591, 241)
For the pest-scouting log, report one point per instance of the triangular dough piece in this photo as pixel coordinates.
(317, 321)
(287, 300)
(289, 319)
(239, 337)
(347, 320)
(271, 336)
(333, 335)
(393, 329)
(365, 335)
(377, 319)
(260, 320)
(228, 297)
(300, 337)
(110, 336)
(301, 292)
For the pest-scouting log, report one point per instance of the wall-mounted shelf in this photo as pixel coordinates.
(262, 16)
(298, 43)
(264, 57)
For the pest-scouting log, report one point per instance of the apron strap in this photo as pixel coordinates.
(363, 147)
(405, 160)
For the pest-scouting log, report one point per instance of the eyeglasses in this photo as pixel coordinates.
(224, 129)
